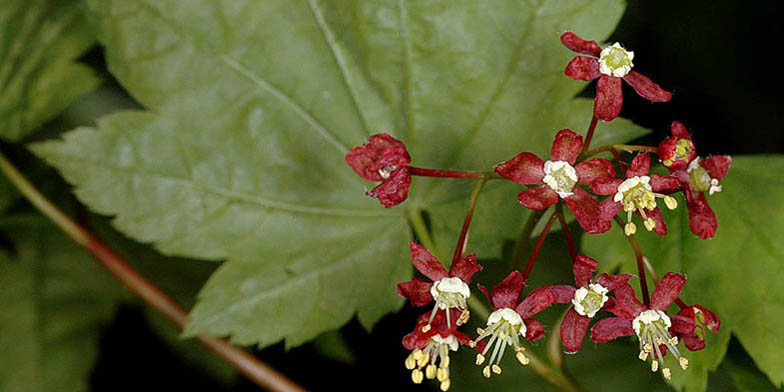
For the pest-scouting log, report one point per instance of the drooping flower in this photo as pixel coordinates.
(510, 322)
(560, 178)
(638, 193)
(653, 327)
(430, 343)
(383, 158)
(449, 290)
(704, 322)
(610, 65)
(587, 298)
(696, 176)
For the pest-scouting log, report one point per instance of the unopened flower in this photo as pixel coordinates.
(610, 65)
(652, 325)
(430, 343)
(449, 290)
(560, 178)
(696, 175)
(510, 322)
(587, 298)
(638, 193)
(383, 158)
(704, 322)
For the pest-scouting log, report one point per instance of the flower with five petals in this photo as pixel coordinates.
(430, 343)
(696, 176)
(383, 158)
(560, 178)
(610, 65)
(449, 290)
(637, 193)
(704, 321)
(510, 322)
(587, 298)
(653, 327)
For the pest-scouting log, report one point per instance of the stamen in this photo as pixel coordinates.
(654, 366)
(486, 371)
(430, 371)
(421, 362)
(410, 362)
(445, 385)
(480, 359)
(684, 363)
(650, 224)
(496, 369)
(417, 376)
(442, 374)
(643, 356)
(670, 202)
(666, 373)
(630, 229)
(522, 358)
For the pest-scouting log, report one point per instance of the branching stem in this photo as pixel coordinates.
(565, 230)
(532, 259)
(461, 241)
(640, 264)
(418, 171)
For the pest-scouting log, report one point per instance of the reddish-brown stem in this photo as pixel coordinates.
(461, 241)
(258, 372)
(622, 147)
(534, 253)
(589, 134)
(640, 264)
(418, 171)
(565, 231)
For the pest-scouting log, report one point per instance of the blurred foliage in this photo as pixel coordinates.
(239, 157)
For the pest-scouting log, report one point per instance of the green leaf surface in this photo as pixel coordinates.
(252, 108)
(39, 41)
(8, 193)
(54, 300)
(746, 376)
(333, 345)
(735, 274)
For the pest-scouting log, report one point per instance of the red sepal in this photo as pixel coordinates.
(609, 98)
(538, 198)
(610, 329)
(465, 268)
(416, 291)
(566, 146)
(426, 263)
(646, 88)
(579, 45)
(525, 168)
(667, 290)
(583, 68)
(573, 330)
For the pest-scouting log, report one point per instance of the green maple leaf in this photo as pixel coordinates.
(252, 108)
(55, 299)
(735, 274)
(39, 42)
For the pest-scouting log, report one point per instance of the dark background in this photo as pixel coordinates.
(718, 57)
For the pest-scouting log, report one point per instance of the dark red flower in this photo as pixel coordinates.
(383, 158)
(449, 290)
(704, 322)
(638, 192)
(431, 341)
(696, 176)
(559, 178)
(652, 325)
(587, 299)
(510, 321)
(610, 65)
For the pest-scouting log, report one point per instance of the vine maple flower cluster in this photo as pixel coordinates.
(597, 191)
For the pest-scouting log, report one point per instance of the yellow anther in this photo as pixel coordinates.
(417, 354)
(522, 358)
(445, 362)
(410, 362)
(659, 341)
(647, 347)
(480, 359)
(630, 228)
(643, 356)
(654, 366)
(430, 371)
(519, 349)
(486, 371)
(501, 335)
(442, 374)
(445, 385)
(496, 369)
(666, 373)
(464, 317)
(649, 224)
(472, 344)
(684, 362)
(674, 341)
(426, 328)
(417, 376)
(670, 202)
(480, 331)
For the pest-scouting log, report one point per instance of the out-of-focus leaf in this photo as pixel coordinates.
(54, 300)
(39, 41)
(746, 376)
(736, 274)
(253, 106)
(7, 193)
(332, 345)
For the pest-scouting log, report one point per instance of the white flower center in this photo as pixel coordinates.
(615, 61)
(652, 328)
(450, 293)
(700, 180)
(635, 193)
(505, 328)
(560, 176)
(385, 171)
(588, 300)
(450, 341)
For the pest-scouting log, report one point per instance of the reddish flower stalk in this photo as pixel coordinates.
(461, 241)
(532, 259)
(640, 264)
(589, 134)
(418, 171)
(565, 231)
